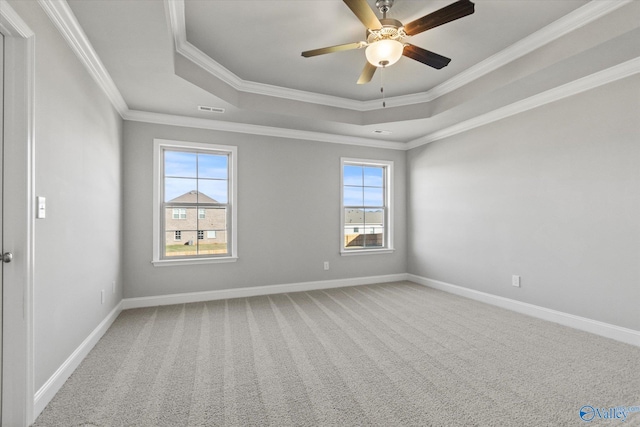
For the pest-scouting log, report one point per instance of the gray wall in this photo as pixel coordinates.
(288, 214)
(78, 143)
(552, 195)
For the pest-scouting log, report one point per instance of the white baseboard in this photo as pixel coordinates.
(190, 297)
(53, 384)
(607, 330)
(44, 395)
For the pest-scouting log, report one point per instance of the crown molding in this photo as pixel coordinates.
(11, 24)
(609, 75)
(192, 122)
(65, 21)
(175, 10)
(208, 64)
(570, 22)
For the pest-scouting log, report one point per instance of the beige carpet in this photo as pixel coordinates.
(395, 354)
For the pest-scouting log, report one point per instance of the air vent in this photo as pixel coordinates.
(382, 132)
(211, 109)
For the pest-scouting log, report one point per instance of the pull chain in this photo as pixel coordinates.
(384, 104)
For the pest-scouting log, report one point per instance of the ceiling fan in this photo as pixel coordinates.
(385, 43)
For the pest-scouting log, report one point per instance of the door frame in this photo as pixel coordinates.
(17, 363)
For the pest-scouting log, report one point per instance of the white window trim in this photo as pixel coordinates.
(158, 145)
(389, 248)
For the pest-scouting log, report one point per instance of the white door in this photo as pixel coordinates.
(1, 184)
(16, 194)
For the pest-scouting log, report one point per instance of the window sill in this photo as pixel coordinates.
(367, 252)
(192, 261)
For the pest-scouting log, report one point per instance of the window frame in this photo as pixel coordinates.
(388, 206)
(159, 146)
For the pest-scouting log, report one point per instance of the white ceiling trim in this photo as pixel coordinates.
(193, 122)
(175, 10)
(609, 75)
(11, 24)
(570, 22)
(63, 18)
(65, 21)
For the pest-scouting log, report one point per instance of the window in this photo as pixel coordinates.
(179, 213)
(194, 203)
(366, 206)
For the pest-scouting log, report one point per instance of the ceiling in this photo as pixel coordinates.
(171, 56)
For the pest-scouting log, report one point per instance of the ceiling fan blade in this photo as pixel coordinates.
(426, 57)
(449, 13)
(367, 73)
(365, 14)
(330, 49)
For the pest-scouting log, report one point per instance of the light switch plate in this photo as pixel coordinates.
(42, 207)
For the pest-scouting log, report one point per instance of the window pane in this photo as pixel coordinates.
(179, 189)
(374, 217)
(214, 219)
(373, 196)
(353, 240)
(214, 234)
(352, 175)
(180, 164)
(185, 219)
(352, 196)
(213, 191)
(353, 218)
(213, 243)
(187, 246)
(373, 176)
(373, 240)
(374, 227)
(213, 166)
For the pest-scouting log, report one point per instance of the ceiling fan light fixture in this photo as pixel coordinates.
(383, 53)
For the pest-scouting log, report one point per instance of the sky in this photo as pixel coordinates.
(363, 186)
(206, 173)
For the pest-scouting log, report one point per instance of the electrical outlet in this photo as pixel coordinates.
(326, 265)
(102, 296)
(515, 281)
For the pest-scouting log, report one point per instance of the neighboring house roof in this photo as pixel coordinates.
(356, 216)
(193, 196)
